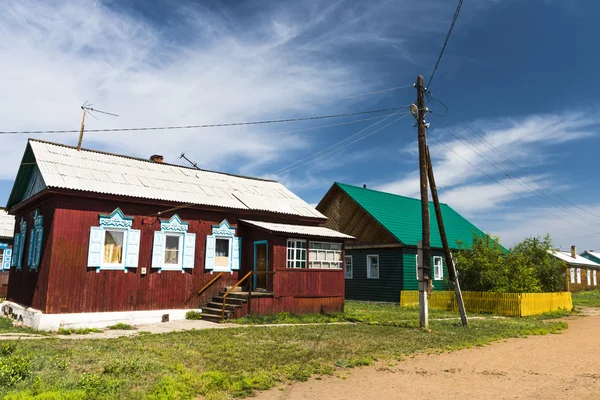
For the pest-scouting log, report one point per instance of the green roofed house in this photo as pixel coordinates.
(382, 260)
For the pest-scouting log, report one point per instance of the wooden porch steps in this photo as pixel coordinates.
(234, 304)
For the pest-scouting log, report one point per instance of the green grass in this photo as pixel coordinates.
(77, 331)
(370, 313)
(123, 327)
(7, 326)
(225, 363)
(195, 315)
(589, 298)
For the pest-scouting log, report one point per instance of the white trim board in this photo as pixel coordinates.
(52, 322)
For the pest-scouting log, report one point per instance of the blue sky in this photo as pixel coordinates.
(522, 75)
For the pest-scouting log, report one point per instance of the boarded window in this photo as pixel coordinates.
(325, 255)
(113, 246)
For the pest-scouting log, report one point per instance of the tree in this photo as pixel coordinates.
(527, 268)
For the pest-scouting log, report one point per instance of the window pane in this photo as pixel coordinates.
(222, 248)
(113, 247)
(172, 249)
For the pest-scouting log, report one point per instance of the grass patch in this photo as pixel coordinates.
(195, 315)
(236, 362)
(589, 298)
(77, 331)
(122, 327)
(7, 326)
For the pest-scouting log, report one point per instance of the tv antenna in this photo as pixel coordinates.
(88, 110)
(195, 165)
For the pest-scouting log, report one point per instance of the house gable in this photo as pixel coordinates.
(29, 180)
(346, 215)
(400, 216)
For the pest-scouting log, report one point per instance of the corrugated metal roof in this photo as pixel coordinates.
(578, 260)
(591, 253)
(64, 167)
(316, 231)
(401, 216)
(7, 224)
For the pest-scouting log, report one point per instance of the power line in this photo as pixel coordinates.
(558, 195)
(275, 121)
(518, 180)
(458, 7)
(509, 189)
(284, 169)
(346, 145)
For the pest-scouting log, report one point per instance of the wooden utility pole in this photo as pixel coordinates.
(452, 275)
(425, 262)
(81, 129)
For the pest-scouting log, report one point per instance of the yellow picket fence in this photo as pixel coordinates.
(509, 304)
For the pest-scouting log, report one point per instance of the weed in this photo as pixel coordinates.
(195, 315)
(77, 331)
(7, 349)
(13, 370)
(122, 327)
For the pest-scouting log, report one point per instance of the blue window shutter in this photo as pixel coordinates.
(189, 250)
(21, 249)
(95, 247)
(7, 258)
(37, 255)
(31, 247)
(158, 249)
(133, 248)
(235, 254)
(209, 262)
(16, 249)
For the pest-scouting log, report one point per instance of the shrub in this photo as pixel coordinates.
(195, 315)
(13, 370)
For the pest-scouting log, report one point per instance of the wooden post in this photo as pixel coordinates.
(81, 130)
(425, 277)
(452, 276)
(423, 289)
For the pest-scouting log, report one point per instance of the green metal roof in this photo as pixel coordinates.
(401, 216)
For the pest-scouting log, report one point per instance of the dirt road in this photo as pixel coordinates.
(539, 367)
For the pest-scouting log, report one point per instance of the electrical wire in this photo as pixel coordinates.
(334, 145)
(275, 121)
(458, 7)
(346, 145)
(509, 189)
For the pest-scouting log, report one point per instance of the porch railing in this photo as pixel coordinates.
(231, 289)
(209, 284)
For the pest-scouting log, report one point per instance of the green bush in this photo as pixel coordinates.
(13, 370)
(194, 315)
(7, 349)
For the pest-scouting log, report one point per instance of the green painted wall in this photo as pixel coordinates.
(409, 261)
(590, 257)
(389, 284)
(397, 271)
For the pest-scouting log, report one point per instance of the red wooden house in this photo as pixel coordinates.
(102, 238)
(7, 227)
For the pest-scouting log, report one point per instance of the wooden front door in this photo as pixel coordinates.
(261, 265)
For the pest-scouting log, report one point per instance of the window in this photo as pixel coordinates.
(595, 279)
(417, 265)
(572, 271)
(114, 241)
(578, 275)
(35, 241)
(348, 270)
(325, 255)
(222, 252)
(223, 248)
(296, 253)
(19, 246)
(438, 268)
(5, 257)
(589, 277)
(173, 248)
(113, 245)
(373, 267)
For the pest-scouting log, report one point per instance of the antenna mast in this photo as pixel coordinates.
(87, 109)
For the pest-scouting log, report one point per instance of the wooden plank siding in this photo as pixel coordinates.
(347, 216)
(64, 283)
(576, 287)
(390, 281)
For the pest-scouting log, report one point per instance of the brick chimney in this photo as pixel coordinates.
(573, 251)
(364, 186)
(156, 158)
